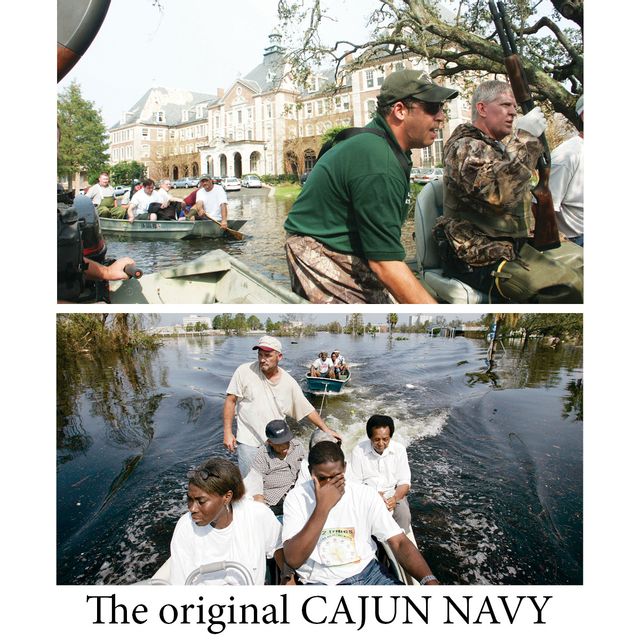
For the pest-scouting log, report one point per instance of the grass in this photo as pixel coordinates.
(288, 190)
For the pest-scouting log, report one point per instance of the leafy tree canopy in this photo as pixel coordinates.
(126, 172)
(458, 35)
(83, 136)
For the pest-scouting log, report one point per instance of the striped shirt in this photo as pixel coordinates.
(278, 476)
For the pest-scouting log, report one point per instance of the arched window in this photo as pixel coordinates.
(309, 159)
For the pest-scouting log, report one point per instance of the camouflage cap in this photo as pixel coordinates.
(412, 83)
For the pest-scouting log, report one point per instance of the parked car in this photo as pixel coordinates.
(424, 175)
(193, 182)
(216, 179)
(120, 190)
(182, 183)
(303, 177)
(231, 184)
(251, 180)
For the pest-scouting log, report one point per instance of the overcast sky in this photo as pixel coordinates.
(191, 44)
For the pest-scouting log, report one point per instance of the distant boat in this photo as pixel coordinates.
(165, 229)
(320, 385)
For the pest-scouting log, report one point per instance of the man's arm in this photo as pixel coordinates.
(115, 271)
(298, 549)
(314, 418)
(224, 213)
(131, 211)
(228, 411)
(401, 492)
(400, 282)
(409, 558)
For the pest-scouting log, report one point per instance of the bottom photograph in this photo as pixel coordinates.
(319, 448)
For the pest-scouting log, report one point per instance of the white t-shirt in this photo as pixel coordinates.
(322, 365)
(213, 200)
(96, 193)
(141, 201)
(383, 472)
(254, 534)
(566, 183)
(345, 546)
(260, 401)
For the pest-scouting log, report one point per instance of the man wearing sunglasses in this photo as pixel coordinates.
(344, 243)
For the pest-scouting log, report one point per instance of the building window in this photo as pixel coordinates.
(160, 133)
(309, 109)
(309, 160)
(145, 133)
(320, 107)
(269, 111)
(380, 80)
(399, 66)
(239, 116)
(158, 116)
(369, 78)
(371, 108)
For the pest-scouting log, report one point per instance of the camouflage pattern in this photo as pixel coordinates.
(487, 183)
(324, 276)
(471, 245)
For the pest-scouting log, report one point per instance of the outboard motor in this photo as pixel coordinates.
(79, 237)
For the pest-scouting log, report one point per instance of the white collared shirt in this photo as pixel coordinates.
(384, 472)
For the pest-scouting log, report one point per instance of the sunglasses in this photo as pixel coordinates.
(431, 108)
(203, 474)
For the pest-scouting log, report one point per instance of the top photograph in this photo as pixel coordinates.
(320, 151)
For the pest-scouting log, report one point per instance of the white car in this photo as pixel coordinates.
(251, 181)
(231, 184)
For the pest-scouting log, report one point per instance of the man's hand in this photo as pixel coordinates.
(224, 225)
(328, 495)
(391, 503)
(230, 442)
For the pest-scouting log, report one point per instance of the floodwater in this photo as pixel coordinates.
(262, 248)
(496, 458)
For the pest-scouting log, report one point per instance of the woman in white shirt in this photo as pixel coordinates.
(222, 525)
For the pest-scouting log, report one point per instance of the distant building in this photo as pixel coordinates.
(192, 319)
(262, 123)
(419, 318)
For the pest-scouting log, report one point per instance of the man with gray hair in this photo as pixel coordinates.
(487, 217)
(168, 208)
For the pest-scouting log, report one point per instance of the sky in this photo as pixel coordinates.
(198, 45)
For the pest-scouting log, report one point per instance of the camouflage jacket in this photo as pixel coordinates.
(487, 192)
(487, 183)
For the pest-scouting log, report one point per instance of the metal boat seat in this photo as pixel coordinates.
(429, 206)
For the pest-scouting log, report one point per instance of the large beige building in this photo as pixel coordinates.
(261, 124)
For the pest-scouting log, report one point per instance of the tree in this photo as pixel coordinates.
(462, 41)
(253, 322)
(83, 142)
(125, 172)
(392, 321)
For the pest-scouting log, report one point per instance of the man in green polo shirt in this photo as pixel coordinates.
(344, 229)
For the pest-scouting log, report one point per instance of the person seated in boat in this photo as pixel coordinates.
(188, 203)
(138, 208)
(382, 463)
(276, 466)
(168, 206)
(322, 367)
(339, 364)
(211, 203)
(328, 526)
(103, 196)
(223, 525)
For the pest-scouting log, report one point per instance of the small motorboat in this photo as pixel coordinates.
(165, 229)
(318, 384)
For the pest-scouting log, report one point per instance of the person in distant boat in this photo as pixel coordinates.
(168, 205)
(329, 523)
(322, 367)
(260, 391)
(138, 208)
(275, 468)
(222, 525)
(211, 203)
(103, 196)
(382, 463)
(339, 364)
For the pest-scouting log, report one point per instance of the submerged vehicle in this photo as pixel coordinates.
(166, 229)
(215, 277)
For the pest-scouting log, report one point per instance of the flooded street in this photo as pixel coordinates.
(496, 458)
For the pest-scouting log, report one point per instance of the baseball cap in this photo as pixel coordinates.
(204, 177)
(580, 105)
(412, 83)
(278, 432)
(267, 343)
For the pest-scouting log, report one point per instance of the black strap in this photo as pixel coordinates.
(349, 132)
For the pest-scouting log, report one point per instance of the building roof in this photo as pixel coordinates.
(171, 101)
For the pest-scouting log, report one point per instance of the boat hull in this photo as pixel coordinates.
(215, 277)
(165, 229)
(322, 385)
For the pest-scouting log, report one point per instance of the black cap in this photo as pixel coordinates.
(278, 432)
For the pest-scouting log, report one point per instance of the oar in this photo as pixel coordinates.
(232, 232)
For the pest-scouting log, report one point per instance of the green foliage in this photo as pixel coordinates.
(126, 172)
(92, 334)
(330, 134)
(83, 136)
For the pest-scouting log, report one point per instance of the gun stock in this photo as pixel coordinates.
(546, 235)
